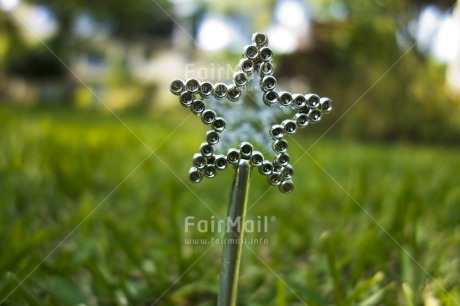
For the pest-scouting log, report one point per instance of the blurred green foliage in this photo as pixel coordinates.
(90, 216)
(367, 62)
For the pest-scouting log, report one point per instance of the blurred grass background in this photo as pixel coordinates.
(90, 215)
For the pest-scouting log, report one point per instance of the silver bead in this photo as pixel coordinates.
(276, 131)
(266, 168)
(289, 126)
(312, 101)
(186, 98)
(199, 161)
(286, 186)
(210, 160)
(210, 171)
(283, 159)
(285, 99)
(287, 172)
(277, 167)
(259, 39)
(212, 137)
(246, 66)
(206, 149)
(256, 159)
(233, 156)
(301, 119)
(299, 101)
(265, 68)
(280, 146)
(275, 179)
(326, 105)
(268, 83)
(177, 86)
(219, 124)
(220, 91)
(246, 150)
(265, 54)
(234, 93)
(314, 116)
(270, 98)
(250, 52)
(195, 175)
(221, 162)
(208, 116)
(240, 79)
(197, 107)
(206, 90)
(192, 85)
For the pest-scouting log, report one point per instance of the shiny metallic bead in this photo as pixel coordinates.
(289, 126)
(286, 186)
(326, 105)
(246, 66)
(266, 168)
(275, 179)
(197, 107)
(283, 159)
(186, 98)
(219, 124)
(312, 100)
(220, 91)
(265, 68)
(212, 137)
(177, 87)
(299, 101)
(210, 171)
(195, 175)
(287, 172)
(234, 93)
(257, 62)
(210, 160)
(192, 85)
(250, 52)
(270, 98)
(285, 99)
(233, 156)
(301, 119)
(259, 39)
(208, 116)
(240, 78)
(246, 150)
(199, 161)
(276, 131)
(221, 162)
(206, 149)
(277, 167)
(268, 83)
(206, 90)
(280, 146)
(265, 54)
(314, 116)
(256, 159)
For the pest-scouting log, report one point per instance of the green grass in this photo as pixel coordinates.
(379, 227)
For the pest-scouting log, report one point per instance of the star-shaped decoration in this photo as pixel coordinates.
(256, 61)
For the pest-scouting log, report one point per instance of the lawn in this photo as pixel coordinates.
(92, 213)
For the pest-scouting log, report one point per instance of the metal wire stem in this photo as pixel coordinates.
(233, 243)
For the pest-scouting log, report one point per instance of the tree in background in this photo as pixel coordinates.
(127, 20)
(369, 62)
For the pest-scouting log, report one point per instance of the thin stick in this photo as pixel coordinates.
(234, 235)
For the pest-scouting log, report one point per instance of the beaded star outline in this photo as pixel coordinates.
(257, 58)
